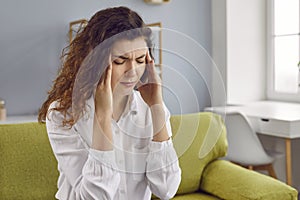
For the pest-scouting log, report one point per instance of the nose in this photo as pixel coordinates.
(131, 69)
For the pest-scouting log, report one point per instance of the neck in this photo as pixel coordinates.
(119, 103)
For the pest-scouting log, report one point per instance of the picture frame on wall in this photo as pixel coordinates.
(157, 45)
(75, 27)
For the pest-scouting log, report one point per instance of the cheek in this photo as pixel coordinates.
(141, 70)
(115, 76)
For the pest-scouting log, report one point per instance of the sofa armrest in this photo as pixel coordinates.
(229, 181)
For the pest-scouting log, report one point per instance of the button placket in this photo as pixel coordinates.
(119, 142)
(118, 139)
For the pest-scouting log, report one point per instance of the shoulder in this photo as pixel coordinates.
(56, 116)
(53, 115)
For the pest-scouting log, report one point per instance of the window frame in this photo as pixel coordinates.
(271, 93)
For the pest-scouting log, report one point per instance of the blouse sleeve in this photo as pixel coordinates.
(91, 173)
(163, 171)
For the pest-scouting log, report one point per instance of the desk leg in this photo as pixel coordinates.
(288, 155)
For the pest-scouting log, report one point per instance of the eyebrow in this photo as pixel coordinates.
(142, 56)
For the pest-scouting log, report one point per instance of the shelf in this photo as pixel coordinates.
(19, 119)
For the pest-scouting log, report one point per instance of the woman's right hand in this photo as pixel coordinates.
(103, 95)
(102, 133)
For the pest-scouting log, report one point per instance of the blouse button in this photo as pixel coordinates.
(133, 112)
(122, 191)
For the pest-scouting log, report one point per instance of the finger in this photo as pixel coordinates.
(139, 84)
(101, 81)
(150, 64)
(148, 57)
(150, 61)
(108, 73)
(109, 60)
(152, 75)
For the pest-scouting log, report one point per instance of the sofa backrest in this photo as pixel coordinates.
(28, 168)
(198, 138)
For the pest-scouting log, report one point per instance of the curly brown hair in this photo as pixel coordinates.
(86, 58)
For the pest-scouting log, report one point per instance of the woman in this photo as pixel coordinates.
(109, 130)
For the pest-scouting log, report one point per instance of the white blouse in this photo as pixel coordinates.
(135, 168)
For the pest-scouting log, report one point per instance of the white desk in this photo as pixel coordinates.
(274, 118)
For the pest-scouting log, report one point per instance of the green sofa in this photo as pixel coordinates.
(28, 169)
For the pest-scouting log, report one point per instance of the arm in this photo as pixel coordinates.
(162, 170)
(102, 132)
(152, 94)
(160, 132)
(91, 173)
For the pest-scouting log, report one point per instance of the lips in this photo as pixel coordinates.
(128, 83)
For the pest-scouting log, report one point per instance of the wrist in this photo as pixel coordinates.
(155, 102)
(102, 134)
(158, 115)
(103, 115)
(157, 109)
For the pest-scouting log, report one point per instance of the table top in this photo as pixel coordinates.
(283, 111)
(281, 119)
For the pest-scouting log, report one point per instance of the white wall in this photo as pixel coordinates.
(246, 55)
(219, 53)
(239, 49)
(33, 34)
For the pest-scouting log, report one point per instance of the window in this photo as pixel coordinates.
(283, 50)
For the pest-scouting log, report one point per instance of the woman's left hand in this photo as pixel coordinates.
(151, 91)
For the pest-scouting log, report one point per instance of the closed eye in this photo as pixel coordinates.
(119, 62)
(140, 61)
(122, 59)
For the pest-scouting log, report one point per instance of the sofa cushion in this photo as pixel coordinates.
(27, 166)
(198, 138)
(195, 196)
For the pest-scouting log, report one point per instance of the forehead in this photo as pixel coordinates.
(125, 46)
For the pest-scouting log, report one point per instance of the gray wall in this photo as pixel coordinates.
(33, 34)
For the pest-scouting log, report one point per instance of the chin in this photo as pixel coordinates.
(124, 91)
